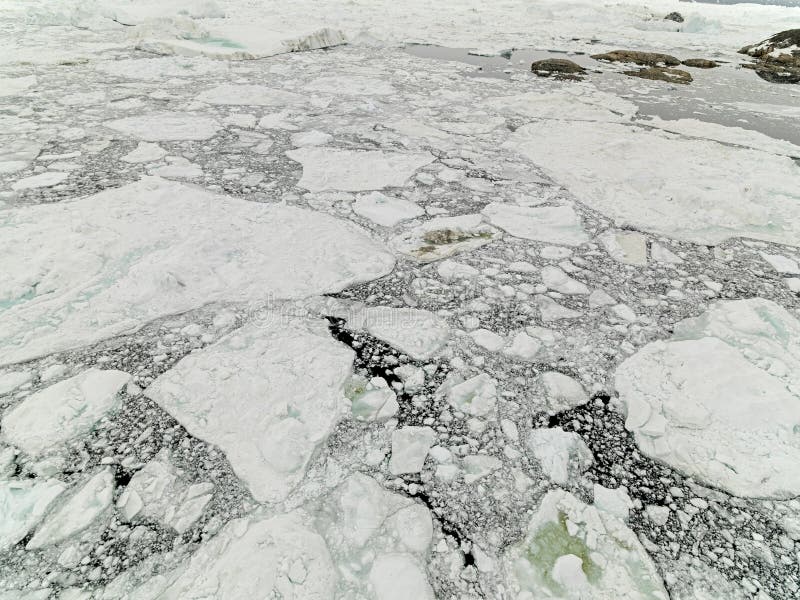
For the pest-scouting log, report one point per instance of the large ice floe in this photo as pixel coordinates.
(128, 255)
(720, 400)
(267, 394)
(686, 193)
(576, 552)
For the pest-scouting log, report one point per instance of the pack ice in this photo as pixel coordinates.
(720, 400)
(78, 272)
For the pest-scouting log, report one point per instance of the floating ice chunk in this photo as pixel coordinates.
(663, 254)
(418, 333)
(782, 264)
(160, 68)
(476, 396)
(355, 170)
(624, 312)
(22, 506)
(570, 104)
(253, 95)
(659, 515)
(141, 261)
(413, 378)
(627, 247)
(313, 137)
(616, 501)
(560, 453)
(793, 283)
(376, 403)
(46, 179)
(167, 126)
(445, 236)
(145, 152)
(351, 85)
(488, 340)
(450, 270)
(12, 86)
(562, 391)
(600, 298)
(721, 400)
(14, 379)
(410, 446)
(552, 310)
(609, 167)
(556, 279)
(62, 411)
(523, 347)
(399, 577)
(156, 492)
(692, 579)
(386, 210)
(83, 508)
(267, 394)
(280, 557)
(551, 224)
(178, 168)
(613, 563)
(478, 466)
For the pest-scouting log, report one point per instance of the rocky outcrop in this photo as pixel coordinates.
(700, 63)
(778, 57)
(559, 68)
(662, 74)
(647, 59)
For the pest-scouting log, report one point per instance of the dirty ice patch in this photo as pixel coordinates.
(720, 400)
(254, 95)
(351, 85)
(443, 237)
(355, 170)
(418, 333)
(166, 126)
(689, 194)
(573, 550)
(552, 224)
(77, 272)
(572, 103)
(62, 411)
(267, 395)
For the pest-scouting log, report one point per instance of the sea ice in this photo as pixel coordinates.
(442, 237)
(609, 167)
(267, 395)
(145, 152)
(63, 410)
(560, 453)
(573, 103)
(22, 506)
(386, 210)
(562, 391)
(167, 126)
(355, 170)
(721, 399)
(14, 379)
(551, 224)
(127, 257)
(46, 179)
(629, 247)
(556, 279)
(12, 86)
(410, 446)
(352, 85)
(254, 95)
(418, 333)
(476, 396)
(572, 551)
(86, 505)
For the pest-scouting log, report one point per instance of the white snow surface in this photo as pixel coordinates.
(127, 257)
(267, 395)
(609, 167)
(62, 411)
(721, 399)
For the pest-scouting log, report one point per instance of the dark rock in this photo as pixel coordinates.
(783, 67)
(674, 16)
(662, 74)
(560, 68)
(700, 63)
(648, 59)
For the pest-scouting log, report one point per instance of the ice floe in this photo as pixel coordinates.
(609, 167)
(410, 446)
(254, 95)
(551, 224)
(166, 126)
(355, 170)
(443, 237)
(267, 394)
(46, 179)
(721, 399)
(418, 333)
(142, 261)
(63, 410)
(562, 455)
(386, 210)
(22, 506)
(575, 551)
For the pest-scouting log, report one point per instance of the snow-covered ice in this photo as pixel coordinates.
(165, 126)
(22, 506)
(267, 394)
(418, 333)
(385, 210)
(551, 224)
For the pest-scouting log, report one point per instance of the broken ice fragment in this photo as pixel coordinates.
(475, 396)
(22, 506)
(418, 333)
(552, 224)
(386, 210)
(167, 126)
(560, 453)
(410, 446)
(562, 391)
